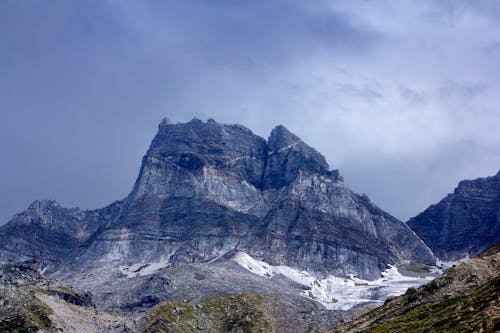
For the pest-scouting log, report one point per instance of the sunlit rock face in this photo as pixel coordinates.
(206, 190)
(465, 222)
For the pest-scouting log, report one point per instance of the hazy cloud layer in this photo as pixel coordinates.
(401, 96)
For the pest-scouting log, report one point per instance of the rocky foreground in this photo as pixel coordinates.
(466, 298)
(30, 302)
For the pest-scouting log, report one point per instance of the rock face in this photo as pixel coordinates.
(464, 222)
(206, 189)
(49, 233)
(205, 192)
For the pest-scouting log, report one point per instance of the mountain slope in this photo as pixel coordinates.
(464, 222)
(30, 302)
(239, 313)
(465, 298)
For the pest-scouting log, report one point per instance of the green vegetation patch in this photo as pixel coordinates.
(238, 313)
(478, 311)
(21, 311)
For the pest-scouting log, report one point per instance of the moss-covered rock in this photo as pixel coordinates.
(21, 311)
(238, 313)
(476, 312)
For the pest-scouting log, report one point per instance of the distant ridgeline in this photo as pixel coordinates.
(464, 222)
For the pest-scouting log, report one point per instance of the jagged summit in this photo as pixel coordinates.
(203, 147)
(281, 138)
(37, 204)
(288, 156)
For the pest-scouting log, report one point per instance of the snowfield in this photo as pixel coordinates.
(338, 293)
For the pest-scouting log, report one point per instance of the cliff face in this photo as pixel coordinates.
(50, 233)
(464, 222)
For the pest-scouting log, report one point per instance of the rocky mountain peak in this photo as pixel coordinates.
(196, 150)
(464, 222)
(281, 137)
(40, 205)
(42, 212)
(287, 154)
(212, 200)
(213, 140)
(281, 140)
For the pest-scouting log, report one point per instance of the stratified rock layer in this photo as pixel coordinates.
(464, 222)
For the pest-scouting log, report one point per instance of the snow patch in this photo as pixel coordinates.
(284, 148)
(442, 265)
(42, 270)
(333, 292)
(144, 268)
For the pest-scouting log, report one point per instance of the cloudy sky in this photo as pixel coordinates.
(402, 96)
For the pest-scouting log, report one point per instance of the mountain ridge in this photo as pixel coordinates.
(464, 222)
(205, 192)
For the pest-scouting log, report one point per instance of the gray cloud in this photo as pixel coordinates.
(400, 95)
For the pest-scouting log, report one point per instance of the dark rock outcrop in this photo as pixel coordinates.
(464, 222)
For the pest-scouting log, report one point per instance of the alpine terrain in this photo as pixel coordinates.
(219, 216)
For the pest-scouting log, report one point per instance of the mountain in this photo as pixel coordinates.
(218, 210)
(466, 298)
(464, 222)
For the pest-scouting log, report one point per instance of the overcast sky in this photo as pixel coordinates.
(402, 96)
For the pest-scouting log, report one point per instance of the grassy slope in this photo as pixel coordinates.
(464, 299)
(21, 311)
(239, 313)
(475, 312)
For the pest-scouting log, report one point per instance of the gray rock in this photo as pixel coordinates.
(464, 222)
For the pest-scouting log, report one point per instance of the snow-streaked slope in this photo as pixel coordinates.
(143, 268)
(333, 292)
